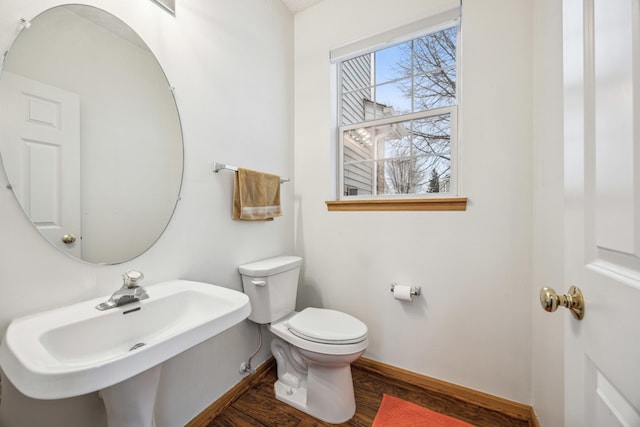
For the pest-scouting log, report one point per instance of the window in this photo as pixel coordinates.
(397, 113)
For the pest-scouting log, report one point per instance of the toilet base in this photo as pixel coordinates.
(296, 397)
(327, 394)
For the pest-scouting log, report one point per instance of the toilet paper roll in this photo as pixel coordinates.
(402, 293)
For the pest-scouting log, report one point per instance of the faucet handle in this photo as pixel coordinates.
(131, 278)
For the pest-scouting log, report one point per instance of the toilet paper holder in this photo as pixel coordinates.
(415, 290)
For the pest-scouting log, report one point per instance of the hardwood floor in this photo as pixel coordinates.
(259, 407)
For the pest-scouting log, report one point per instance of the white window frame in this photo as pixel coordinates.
(447, 19)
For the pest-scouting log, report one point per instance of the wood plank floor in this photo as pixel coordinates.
(259, 407)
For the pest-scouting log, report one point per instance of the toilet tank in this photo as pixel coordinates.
(272, 286)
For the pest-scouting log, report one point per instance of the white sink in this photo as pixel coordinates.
(78, 349)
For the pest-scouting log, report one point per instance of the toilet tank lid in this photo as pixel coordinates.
(270, 266)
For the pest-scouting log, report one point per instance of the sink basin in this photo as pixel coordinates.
(78, 349)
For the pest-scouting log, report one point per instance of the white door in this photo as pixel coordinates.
(40, 146)
(602, 192)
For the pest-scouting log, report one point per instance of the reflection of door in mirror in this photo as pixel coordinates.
(41, 148)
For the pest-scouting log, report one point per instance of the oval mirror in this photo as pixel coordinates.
(90, 135)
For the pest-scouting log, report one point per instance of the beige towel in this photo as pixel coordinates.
(256, 196)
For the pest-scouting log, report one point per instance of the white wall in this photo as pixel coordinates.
(480, 269)
(233, 74)
(548, 236)
(472, 326)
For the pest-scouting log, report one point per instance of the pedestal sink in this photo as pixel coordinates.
(78, 349)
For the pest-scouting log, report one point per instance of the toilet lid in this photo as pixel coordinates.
(327, 326)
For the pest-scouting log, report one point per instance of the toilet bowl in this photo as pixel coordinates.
(313, 348)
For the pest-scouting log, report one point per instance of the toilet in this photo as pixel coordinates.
(313, 348)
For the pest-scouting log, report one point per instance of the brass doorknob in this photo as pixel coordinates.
(574, 301)
(68, 239)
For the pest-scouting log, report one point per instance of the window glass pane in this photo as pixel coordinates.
(399, 166)
(432, 135)
(359, 178)
(399, 145)
(393, 99)
(435, 176)
(431, 140)
(416, 175)
(399, 176)
(354, 105)
(358, 151)
(387, 62)
(435, 90)
(434, 69)
(358, 145)
(356, 73)
(374, 142)
(434, 51)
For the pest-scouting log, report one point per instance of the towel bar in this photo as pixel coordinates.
(217, 167)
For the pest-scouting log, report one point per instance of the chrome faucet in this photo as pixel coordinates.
(130, 291)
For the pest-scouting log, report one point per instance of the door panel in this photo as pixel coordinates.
(602, 167)
(40, 145)
(616, 189)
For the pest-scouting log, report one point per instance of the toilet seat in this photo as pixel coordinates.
(327, 326)
(281, 329)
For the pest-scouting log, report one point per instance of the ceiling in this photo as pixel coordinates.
(296, 6)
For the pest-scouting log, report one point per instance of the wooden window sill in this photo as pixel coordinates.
(448, 204)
